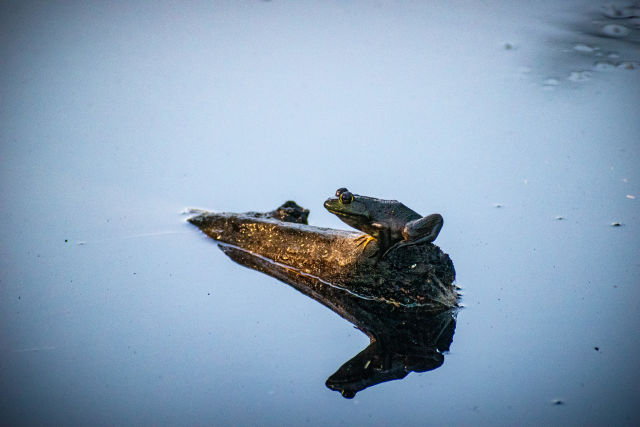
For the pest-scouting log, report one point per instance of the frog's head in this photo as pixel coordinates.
(349, 207)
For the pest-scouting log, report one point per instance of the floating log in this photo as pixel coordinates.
(420, 275)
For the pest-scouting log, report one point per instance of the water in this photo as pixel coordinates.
(115, 118)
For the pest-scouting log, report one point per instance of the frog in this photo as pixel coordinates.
(389, 222)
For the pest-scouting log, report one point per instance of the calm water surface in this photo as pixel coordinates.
(518, 122)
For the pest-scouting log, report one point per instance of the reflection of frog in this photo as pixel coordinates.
(389, 222)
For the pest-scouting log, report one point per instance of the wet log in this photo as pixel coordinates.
(420, 275)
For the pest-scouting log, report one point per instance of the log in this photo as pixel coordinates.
(420, 275)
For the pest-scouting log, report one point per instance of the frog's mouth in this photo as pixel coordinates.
(332, 204)
(349, 214)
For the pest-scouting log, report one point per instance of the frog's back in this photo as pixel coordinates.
(390, 209)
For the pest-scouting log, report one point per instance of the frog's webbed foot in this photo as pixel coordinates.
(394, 247)
(363, 240)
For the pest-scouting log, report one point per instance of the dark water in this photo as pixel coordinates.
(115, 118)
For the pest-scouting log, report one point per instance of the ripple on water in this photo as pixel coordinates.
(581, 47)
(628, 65)
(604, 66)
(598, 43)
(616, 12)
(580, 76)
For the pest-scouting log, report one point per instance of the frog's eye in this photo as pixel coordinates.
(339, 191)
(346, 197)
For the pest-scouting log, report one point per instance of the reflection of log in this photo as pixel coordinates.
(418, 275)
(403, 344)
(403, 339)
(410, 334)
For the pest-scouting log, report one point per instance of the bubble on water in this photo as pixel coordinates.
(580, 76)
(628, 65)
(604, 66)
(615, 30)
(581, 47)
(631, 196)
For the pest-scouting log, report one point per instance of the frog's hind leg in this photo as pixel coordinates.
(393, 248)
(423, 230)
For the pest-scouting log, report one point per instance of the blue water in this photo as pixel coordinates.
(115, 118)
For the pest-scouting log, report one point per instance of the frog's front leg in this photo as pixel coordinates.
(363, 240)
(385, 242)
(382, 237)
